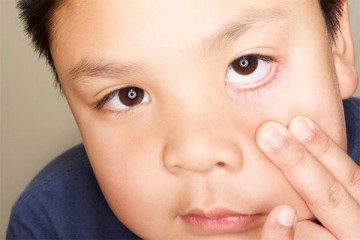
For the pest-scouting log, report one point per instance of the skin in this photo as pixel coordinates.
(197, 143)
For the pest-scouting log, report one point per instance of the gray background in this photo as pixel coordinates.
(36, 123)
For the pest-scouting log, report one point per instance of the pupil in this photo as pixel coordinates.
(131, 96)
(245, 65)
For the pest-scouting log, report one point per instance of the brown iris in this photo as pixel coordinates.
(245, 65)
(131, 96)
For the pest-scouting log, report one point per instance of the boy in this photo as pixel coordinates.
(200, 120)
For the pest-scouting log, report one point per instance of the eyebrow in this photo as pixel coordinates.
(102, 69)
(217, 41)
(235, 28)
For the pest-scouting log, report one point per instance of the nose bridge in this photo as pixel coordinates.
(201, 138)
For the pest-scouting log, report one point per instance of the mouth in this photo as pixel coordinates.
(220, 220)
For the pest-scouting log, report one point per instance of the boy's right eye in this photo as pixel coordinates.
(123, 99)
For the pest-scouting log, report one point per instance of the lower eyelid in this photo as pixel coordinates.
(124, 112)
(248, 87)
(256, 88)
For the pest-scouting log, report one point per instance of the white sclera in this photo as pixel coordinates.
(258, 75)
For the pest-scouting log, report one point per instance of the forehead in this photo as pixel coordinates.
(165, 19)
(142, 29)
(181, 18)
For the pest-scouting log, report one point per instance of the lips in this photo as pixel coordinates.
(220, 220)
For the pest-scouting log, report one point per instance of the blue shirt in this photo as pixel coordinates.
(65, 201)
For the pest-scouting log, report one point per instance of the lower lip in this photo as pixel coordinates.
(224, 224)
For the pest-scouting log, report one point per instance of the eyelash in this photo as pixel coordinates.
(256, 90)
(259, 56)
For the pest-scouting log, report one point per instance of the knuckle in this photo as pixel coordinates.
(322, 144)
(354, 178)
(334, 196)
(307, 229)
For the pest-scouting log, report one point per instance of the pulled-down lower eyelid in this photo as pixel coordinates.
(239, 86)
(245, 66)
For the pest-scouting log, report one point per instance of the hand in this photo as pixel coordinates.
(319, 170)
(281, 225)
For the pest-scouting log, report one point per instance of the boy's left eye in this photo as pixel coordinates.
(249, 70)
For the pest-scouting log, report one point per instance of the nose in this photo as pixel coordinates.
(201, 141)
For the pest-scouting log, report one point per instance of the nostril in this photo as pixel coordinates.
(201, 154)
(220, 164)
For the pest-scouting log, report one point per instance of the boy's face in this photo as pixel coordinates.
(179, 149)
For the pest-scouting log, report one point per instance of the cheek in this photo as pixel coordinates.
(295, 92)
(315, 95)
(127, 164)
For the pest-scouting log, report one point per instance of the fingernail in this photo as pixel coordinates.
(302, 130)
(286, 216)
(273, 138)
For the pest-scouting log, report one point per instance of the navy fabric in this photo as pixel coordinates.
(64, 200)
(352, 119)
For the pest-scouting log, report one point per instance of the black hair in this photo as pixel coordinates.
(38, 19)
(332, 11)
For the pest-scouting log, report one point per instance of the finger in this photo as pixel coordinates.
(341, 166)
(326, 197)
(280, 224)
(306, 230)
